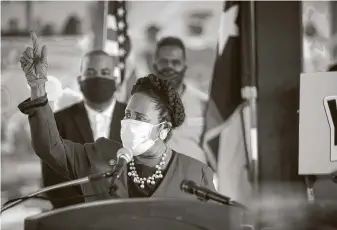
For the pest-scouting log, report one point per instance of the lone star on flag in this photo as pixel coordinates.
(228, 26)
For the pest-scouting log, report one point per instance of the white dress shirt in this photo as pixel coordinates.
(100, 121)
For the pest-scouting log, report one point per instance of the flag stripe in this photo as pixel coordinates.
(112, 35)
(233, 173)
(224, 83)
(212, 137)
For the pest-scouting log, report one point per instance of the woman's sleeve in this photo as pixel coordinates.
(67, 158)
(207, 178)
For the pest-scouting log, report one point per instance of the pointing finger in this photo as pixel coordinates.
(44, 54)
(36, 44)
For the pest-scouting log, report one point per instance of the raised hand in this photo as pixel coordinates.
(34, 63)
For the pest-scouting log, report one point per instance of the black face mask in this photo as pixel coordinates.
(98, 90)
(171, 75)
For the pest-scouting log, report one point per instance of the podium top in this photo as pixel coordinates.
(139, 214)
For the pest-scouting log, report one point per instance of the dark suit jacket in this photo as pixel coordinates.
(74, 160)
(73, 124)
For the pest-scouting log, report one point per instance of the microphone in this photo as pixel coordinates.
(124, 156)
(205, 194)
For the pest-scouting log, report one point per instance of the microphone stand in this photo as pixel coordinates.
(310, 182)
(115, 176)
(80, 181)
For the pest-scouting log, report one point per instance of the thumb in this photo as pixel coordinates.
(44, 54)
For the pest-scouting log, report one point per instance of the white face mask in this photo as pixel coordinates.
(135, 136)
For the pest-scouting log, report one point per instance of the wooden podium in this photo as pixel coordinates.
(139, 214)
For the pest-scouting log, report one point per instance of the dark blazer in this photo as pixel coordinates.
(74, 160)
(73, 124)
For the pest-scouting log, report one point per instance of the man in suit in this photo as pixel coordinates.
(98, 115)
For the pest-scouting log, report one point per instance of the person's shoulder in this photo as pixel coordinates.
(188, 161)
(193, 169)
(69, 109)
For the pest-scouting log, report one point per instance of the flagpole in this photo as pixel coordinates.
(249, 93)
(253, 102)
(100, 25)
(105, 16)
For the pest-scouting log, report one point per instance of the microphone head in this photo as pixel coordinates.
(188, 186)
(124, 154)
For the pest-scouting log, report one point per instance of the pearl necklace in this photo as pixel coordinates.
(151, 179)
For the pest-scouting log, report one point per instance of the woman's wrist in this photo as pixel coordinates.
(37, 91)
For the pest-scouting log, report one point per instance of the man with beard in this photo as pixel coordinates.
(170, 64)
(99, 115)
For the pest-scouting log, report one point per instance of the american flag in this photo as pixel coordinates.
(117, 42)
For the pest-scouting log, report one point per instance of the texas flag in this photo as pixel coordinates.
(227, 117)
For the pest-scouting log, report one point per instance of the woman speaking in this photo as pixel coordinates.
(153, 110)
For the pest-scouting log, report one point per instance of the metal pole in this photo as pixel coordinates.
(100, 25)
(105, 31)
(249, 93)
(253, 101)
(253, 43)
(29, 15)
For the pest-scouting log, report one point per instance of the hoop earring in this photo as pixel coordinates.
(163, 134)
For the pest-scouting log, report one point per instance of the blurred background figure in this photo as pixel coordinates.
(147, 54)
(319, 37)
(200, 50)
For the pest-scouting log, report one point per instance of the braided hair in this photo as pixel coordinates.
(166, 98)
